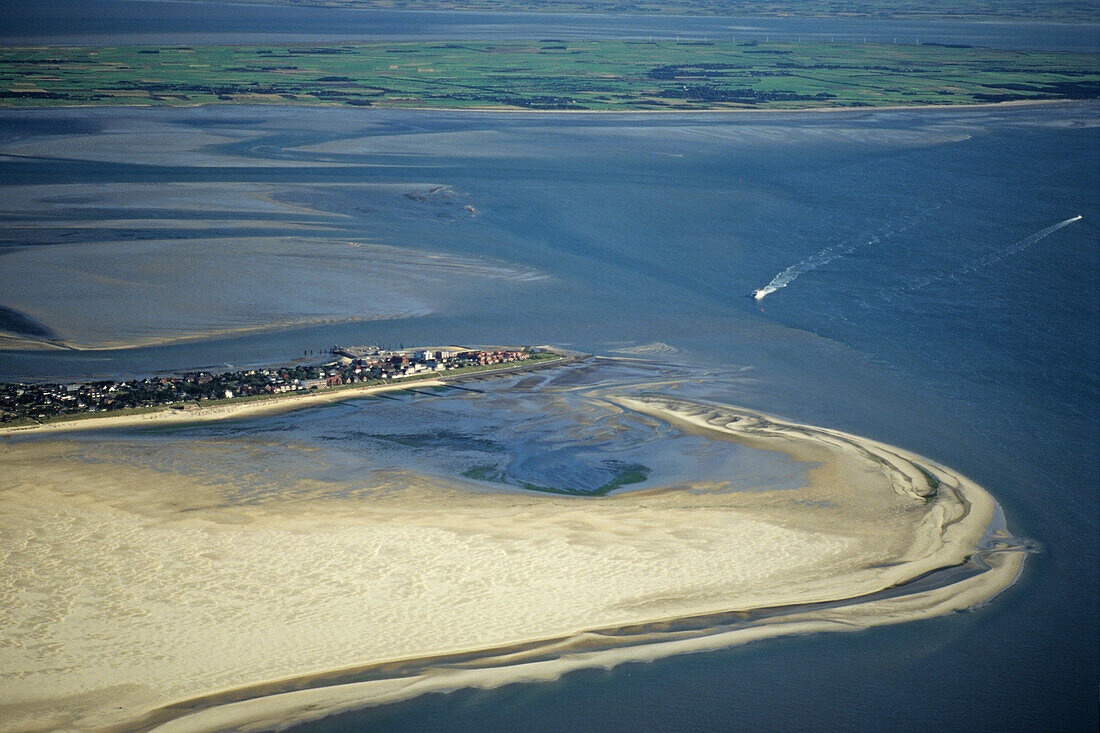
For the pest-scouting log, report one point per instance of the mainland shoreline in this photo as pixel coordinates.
(722, 110)
(519, 110)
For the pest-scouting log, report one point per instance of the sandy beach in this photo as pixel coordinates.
(198, 413)
(140, 593)
(168, 416)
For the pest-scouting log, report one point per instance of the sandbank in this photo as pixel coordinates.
(138, 594)
(309, 281)
(16, 342)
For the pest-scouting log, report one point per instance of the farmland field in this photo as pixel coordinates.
(550, 74)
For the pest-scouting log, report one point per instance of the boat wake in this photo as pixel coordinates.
(827, 255)
(990, 259)
(823, 257)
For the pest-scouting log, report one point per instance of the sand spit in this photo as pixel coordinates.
(139, 595)
(198, 413)
(959, 512)
(230, 411)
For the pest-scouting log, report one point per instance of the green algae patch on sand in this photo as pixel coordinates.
(558, 75)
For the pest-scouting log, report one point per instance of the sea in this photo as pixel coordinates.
(932, 281)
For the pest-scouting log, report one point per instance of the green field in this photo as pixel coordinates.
(557, 75)
(1087, 10)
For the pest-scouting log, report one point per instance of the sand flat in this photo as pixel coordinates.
(192, 288)
(131, 587)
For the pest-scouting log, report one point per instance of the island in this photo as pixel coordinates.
(355, 370)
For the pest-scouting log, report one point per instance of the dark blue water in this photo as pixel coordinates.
(134, 22)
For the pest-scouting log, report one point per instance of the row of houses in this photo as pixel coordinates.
(370, 364)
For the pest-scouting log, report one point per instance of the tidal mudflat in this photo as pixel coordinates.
(214, 260)
(193, 290)
(151, 580)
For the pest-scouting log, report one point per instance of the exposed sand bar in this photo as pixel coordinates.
(139, 594)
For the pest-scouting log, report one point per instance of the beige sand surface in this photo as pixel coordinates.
(130, 585)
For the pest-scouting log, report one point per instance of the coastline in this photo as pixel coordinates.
(168, 416)
(520, 110)
(650, 228)
(274, 707)
(280, 704)
(257, 407)
(728, 110)
(849, 576)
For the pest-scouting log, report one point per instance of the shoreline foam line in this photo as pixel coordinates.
(963, 560)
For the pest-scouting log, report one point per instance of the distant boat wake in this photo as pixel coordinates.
(823, 257)
(827, 255)
(993, 258)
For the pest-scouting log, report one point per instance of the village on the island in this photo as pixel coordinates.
(343, 365)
